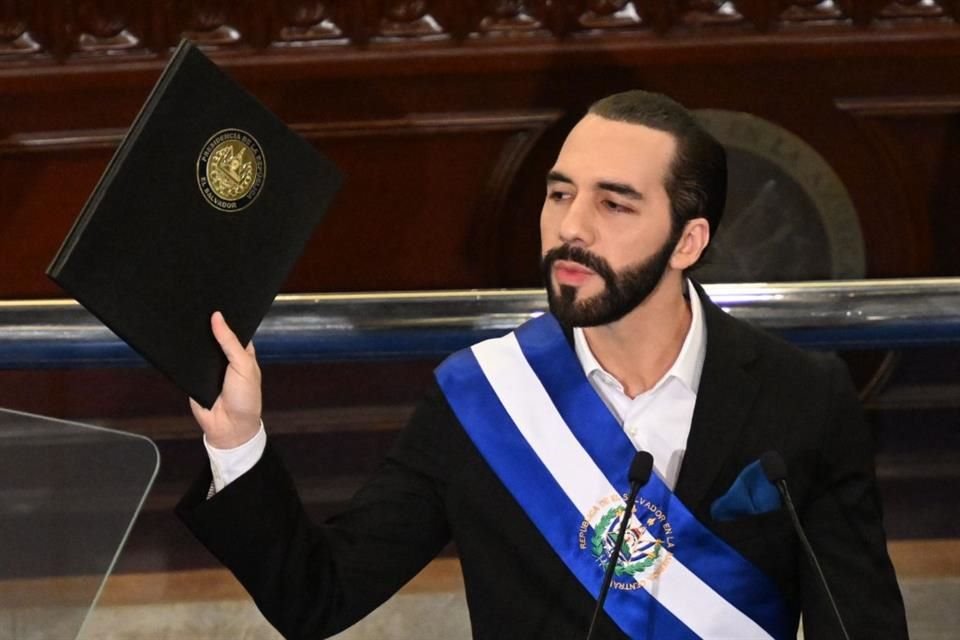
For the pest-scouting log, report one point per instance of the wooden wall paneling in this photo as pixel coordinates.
(320, 64)
(42, 192)
(436, 221)
(141, 400)
(504, 219)
(944, 199)
(916, 141)
(445, 210)
(43, 174)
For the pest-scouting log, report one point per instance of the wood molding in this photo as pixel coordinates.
(532, 123)
(100, 31)
(899, 106)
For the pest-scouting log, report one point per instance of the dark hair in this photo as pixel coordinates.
(697, 182)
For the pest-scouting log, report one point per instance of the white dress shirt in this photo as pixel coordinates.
(229, 464)
(657, 420)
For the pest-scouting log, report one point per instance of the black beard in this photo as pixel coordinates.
(623, 292)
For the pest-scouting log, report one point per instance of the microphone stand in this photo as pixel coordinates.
(775, 469)
(612, 564)
(782, 488)
(639, 473)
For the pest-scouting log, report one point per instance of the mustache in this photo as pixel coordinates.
(576, 254)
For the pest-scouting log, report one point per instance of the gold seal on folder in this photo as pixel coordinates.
(231, 170)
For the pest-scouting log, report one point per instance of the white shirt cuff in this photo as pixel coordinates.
(229, 464)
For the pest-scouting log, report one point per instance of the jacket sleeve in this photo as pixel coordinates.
(314, 581)
(843, 520)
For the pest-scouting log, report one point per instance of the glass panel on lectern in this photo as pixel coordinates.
(69, 494)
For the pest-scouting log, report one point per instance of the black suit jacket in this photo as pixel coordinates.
(756, 393)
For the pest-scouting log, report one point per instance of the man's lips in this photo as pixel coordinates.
(571, 273)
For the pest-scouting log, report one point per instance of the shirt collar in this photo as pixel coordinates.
(686, 368)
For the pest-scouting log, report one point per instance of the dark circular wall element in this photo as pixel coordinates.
(788, 215)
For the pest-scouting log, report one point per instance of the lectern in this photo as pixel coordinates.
(69, 494)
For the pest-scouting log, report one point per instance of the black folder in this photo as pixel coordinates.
(205, 206)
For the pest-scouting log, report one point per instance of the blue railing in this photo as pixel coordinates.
(862, 314)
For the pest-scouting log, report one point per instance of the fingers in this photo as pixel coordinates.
(200, 414)
(227, 339)
(235, 416)
(198, 411)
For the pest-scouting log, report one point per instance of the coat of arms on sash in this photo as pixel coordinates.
(643, 556)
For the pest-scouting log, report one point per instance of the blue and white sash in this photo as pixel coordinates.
(527, 405)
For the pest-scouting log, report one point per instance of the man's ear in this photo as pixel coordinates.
(691, 245)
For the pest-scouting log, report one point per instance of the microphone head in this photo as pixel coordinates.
(773, 466)
(640, 468)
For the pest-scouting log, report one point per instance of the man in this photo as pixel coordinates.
(520, 453)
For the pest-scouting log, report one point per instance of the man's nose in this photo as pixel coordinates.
(576, 227)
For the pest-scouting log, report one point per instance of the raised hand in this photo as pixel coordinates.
(235, 416)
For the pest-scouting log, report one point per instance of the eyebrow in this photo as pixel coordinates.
(620, 188)
(556, 176)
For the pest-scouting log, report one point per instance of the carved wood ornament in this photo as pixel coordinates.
(912, 9)
(103, 27)
(206, 23)
(610, 14)
(308, 24)
(806, 11)
(510, 18)
(409, 20)
(15, 38)
(710, 12)
(53, 31)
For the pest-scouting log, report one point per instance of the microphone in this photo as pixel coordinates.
(776, 471)
(638, 475)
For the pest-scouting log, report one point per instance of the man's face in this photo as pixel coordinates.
(605, 228)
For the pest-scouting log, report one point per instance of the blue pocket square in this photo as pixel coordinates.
(750, 494)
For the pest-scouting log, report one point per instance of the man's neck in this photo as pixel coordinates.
(641, 347)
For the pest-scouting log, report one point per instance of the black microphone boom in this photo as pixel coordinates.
(640, 469)
(639, 474)
(776, 471)
(774, 467)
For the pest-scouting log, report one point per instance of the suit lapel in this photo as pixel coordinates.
(726, 393)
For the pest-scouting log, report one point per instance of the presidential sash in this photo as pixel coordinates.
(527, 405)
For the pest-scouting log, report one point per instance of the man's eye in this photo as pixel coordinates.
(558, 195)
(616, 207)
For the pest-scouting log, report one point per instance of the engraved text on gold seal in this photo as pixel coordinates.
(231, 170)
